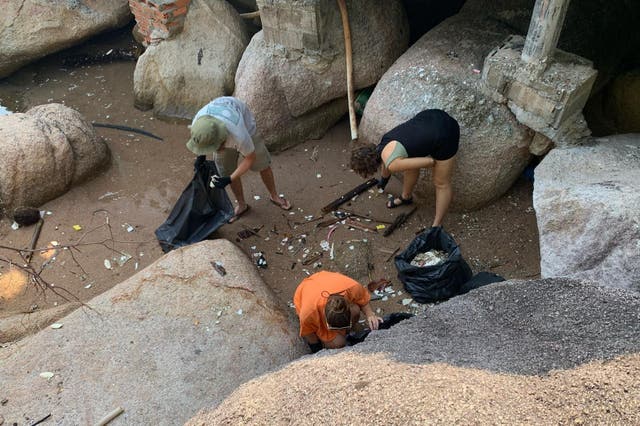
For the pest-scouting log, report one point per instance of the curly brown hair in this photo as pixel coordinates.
(337, 311)
(365, 160)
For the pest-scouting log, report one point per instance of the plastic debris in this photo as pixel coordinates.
(219, 268)
(107, 263)
(261, 262)
(15, 226)
(431, 258)
(124, 258)
(46, 375)
(56, 325)
(77, 227)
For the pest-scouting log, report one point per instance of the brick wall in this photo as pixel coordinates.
(159, 19)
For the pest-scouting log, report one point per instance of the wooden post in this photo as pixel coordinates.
(544, 31)
(348, 55)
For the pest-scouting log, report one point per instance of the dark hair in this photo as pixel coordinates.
(365, 160)
(337, 311)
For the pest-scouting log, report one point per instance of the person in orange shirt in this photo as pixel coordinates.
(328, 304)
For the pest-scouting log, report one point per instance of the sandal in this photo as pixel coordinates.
(237, 215)
(392, 204)
(282, 203)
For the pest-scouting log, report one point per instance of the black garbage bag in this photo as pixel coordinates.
(433, 283)
(199, 211)
(479, 280)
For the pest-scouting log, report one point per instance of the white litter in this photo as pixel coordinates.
(56, 325)
(46, 375)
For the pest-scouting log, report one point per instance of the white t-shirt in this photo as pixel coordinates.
(240, 122)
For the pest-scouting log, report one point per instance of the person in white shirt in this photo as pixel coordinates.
(226, 128)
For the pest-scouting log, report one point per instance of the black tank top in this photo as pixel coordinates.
(431, 132)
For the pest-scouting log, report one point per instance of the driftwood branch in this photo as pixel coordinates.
(399, 220)
(349, 195)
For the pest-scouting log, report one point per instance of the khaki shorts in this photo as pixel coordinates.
(227, 159)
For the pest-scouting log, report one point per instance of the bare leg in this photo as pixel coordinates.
(238, 192)
(270, 183)
(442, 172)
(409, 179)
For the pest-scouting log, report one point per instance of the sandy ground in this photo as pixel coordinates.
(113, 217)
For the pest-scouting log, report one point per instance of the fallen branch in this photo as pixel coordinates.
(349, 195)
(112, 415)
(399, 220)
(126, 129)
(34, 240)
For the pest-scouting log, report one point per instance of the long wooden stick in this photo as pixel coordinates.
(34, 240)
(349, 195)
(348, 54)
(112, 415)
(399, 220)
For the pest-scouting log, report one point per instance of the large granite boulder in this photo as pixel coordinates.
(441, 70)
(587, 202)
(178, 76)
(32, 29)
(43, 152)
(553, 351)
(174, 338)
(302, 92)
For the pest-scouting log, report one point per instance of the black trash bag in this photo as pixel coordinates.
(433, 283)
(388, 321)
(199, 211)
(480, 279)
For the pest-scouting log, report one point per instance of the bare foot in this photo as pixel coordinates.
(281, 202)
(238, 211)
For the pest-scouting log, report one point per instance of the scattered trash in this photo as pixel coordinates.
(476, 71)
(256, 197)
(46, 375)
(107, 264)
(319, 176)
(324, 244)
(128, 227)
(87, 286)
(56, 325)
(405, 302)
(15, 226)
(124, 258)
(261, 262)
(378, 285)
(77, 227)
(239, 312)
(219, 268)
(379, 227)
(431, 258)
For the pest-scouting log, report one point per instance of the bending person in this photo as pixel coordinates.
(428, 140)
(328, 305)
(226, 128)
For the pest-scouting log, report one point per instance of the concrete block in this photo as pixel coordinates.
(544, 95)
(294, 24)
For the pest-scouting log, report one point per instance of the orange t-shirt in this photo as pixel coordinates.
(310, 299)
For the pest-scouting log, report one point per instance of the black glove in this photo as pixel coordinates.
(383, 181)
(219, 181)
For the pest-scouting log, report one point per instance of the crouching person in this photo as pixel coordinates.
(328, 305)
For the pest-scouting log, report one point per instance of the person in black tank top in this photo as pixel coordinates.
(428, 140)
